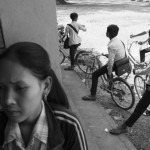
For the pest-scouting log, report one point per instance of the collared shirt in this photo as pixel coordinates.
(38, 141)
(145, 71)
(73, 36)
(65, 131)
(116, 51)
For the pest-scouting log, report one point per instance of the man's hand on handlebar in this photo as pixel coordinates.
(132, 36)
(140, 42)
(106, 55)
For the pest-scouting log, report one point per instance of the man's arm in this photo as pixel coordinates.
(82, 27)
(143, 42)
(139, 34)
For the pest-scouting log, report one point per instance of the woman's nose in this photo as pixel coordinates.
(10, 97)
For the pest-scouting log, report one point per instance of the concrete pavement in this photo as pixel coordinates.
(94, 118)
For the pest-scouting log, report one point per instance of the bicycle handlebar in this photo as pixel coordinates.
(106, 55)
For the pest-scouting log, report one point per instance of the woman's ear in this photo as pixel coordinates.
(47, 85)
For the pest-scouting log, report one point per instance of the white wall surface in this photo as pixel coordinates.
(31, 20)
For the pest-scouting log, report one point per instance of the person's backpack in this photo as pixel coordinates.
(66, 42)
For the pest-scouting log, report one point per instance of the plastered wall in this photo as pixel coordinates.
(31, 20)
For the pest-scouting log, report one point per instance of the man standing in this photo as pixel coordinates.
(116, 51)
(74, 40)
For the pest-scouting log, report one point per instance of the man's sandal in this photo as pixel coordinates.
(118, 130)
(89, 98)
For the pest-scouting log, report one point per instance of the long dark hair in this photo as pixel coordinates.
(36, 59)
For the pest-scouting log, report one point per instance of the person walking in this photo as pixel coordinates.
(72, 31)
(116, 51)
(140, 107)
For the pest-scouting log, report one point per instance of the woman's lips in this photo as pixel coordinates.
(12, 113)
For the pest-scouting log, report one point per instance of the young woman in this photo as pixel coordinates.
(35, 108)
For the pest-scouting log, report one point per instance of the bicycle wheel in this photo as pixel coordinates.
(87, 62)
(139, 84)
(122, 94)
(61, 57)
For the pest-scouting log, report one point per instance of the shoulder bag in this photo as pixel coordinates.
(123, 65)
(66, 42)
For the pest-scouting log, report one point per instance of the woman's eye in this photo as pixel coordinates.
(19, 88)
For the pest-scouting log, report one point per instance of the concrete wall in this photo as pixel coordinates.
(31, 20)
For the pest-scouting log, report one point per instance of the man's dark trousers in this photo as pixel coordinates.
(73, 50)
(139, 110)
(103, 70)
(142, 54)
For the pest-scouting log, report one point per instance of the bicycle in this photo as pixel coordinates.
(64, 53)
(140, 84)
(121, 92)
(139, 81)
(88, 62)
(92, 63)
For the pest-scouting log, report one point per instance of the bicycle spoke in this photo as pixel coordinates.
(139, 85)
(84, 61)
(61, 57)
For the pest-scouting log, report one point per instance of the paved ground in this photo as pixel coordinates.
(94, 119)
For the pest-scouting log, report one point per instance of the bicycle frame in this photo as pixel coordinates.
(64, 52)
(132, 59)
(79, 50)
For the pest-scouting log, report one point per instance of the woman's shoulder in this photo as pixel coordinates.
(63, 112)
(70, 126)
(66, 116)
(68, 121)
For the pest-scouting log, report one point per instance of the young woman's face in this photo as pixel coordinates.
(20, 92)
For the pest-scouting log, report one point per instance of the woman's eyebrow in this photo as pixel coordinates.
(17, 82)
